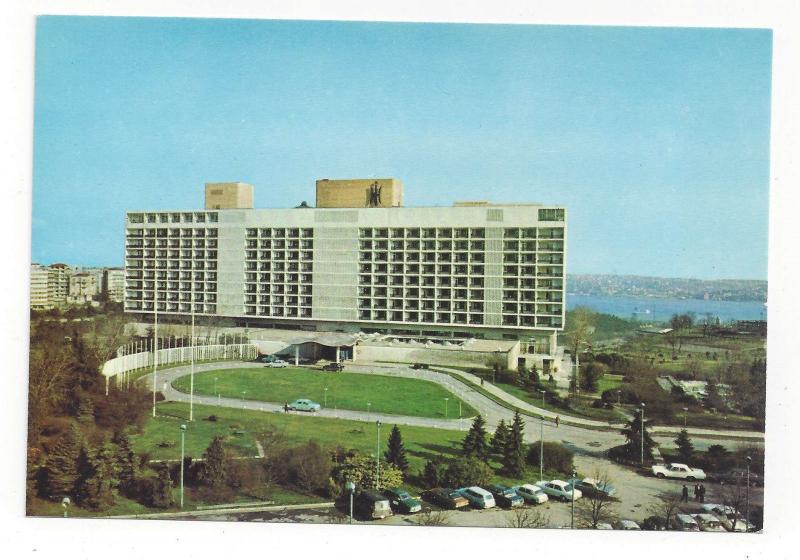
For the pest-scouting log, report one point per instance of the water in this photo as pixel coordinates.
(648, 309)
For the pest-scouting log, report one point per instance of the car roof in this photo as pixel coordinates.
(557, 481)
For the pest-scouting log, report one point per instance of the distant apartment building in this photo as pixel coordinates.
(113, 286)
(83, 288)
(49, 285)
(40, 295)
(359, 261)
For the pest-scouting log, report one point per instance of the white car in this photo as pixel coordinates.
(708, 522)
(477, 497)
(531, 494)
(278, 363)
(604, 526)
(678, 470)
(685, 522)
(560, 490)
(627, 525)
(727, 515)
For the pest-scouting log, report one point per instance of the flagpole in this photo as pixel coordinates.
(155, 344)
(191, 376)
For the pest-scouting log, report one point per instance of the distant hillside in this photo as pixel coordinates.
(649, 286)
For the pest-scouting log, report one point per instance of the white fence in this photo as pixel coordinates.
(127, 363)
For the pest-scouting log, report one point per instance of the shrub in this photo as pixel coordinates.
(310, 467)
(433, 473)
(556, 457)
(468, 472)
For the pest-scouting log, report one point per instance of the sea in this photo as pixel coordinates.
(652, 309)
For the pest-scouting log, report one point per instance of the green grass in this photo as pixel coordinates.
(350, 391)
(608, 381)
(581, 407)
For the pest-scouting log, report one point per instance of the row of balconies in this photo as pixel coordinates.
(424, 305)
(280, 255)
(171, 296)
(533, 233)
(171, 265)
(426, 269)
(132, 274)
(274, 233)
(304, 301)
(277, 289)
(183, 233)
(280, 244)
(273, 311)
(425, 317)
(266, 267)
(397, 280)
(173, 217)
(169, 307)
(423, 233)
(278, 277)
(413, 257)
(172, 243)
(531, 321)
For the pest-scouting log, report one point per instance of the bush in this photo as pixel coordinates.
(433, 473)
(310, 467)
(653, 523)
(468, 472)
(212, 418)
(556, 457)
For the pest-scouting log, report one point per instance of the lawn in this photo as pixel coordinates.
(608, 381)
(580, 407)
(351, 391)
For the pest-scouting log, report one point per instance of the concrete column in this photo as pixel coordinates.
(553, 343)
(354, 352)
(337, 354)
(296, 355)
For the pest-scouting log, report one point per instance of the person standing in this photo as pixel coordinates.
(557, 420)
(685, 494)
(702, 494)
(696, 492)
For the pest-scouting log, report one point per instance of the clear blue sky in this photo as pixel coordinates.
(656, 139)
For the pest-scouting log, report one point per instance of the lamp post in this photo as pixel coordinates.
(445, 406)
(572, 514)
(325, 402)
(543, 393)
(641, 435)
(619, 397)
(183, 433)
(685, 410)
(65, 504)
(541, 449)
(747, 498)
(378, 456)
(215, 385)
(351, 488)
(369, 404)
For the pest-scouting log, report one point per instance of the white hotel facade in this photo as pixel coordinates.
(474, 270)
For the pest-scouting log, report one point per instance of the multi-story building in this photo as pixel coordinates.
(49, 285)
(359, 261)
(113, 285)
(83, 288)
(39, 286)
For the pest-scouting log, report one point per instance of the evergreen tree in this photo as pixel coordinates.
(96, 490)
(713, 399)
(500, 438)
(60, 471)
(514, 453)
(214, 468)
(396, 452)
(433, 473)
(85, 411)
(162, 488)
(685, 447)
(633, 433)
(127, 463)
(475, 442)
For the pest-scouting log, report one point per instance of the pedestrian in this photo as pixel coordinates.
(557, 420)
(685, 494)
(702, 494)
(286, 407)
(481, 381)
(696, 492)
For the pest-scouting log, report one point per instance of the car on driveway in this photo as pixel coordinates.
(304, 405)
(627, 525)
(591, 488)
(727, 515)
(560, 490)
(446, 498)
(478, 497)
(505, 497)
(401, 501)
(709, 523)
(419, 366)
(678, 470)
(333, 366)
(736, 477)
(370, 504)
(531, 494)
(277, 363)
(685, 522)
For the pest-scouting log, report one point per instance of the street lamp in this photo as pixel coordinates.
(351, 488)
(369, 404)
(619, 397)
(325, 402)
(445, 406)
(572, 521)
(215, 385)
(747, 498)
(541, 449)
(641, 435)
(183, 433)
(65, 504)
(543, 393)
(685, 410)
(378, 456)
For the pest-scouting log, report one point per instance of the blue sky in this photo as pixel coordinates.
(656, 139)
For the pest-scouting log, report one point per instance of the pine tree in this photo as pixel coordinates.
(214, 471)
(514, 453)
(396, 452)
(475, 442)
(500, 438)
(60, 471)
(127, 463)
(96, 490)
(85, 412)
(162, 488)
(632, 432)
(685, 447)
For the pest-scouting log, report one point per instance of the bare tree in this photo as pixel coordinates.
(48, 376)
(734, 496)
(431, 518)
(581, 322)
(525, 518)
(596, 507)
(666, 507)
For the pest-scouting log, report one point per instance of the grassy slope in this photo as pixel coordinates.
(352, 391)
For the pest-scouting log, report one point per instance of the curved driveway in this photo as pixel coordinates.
(591, 437)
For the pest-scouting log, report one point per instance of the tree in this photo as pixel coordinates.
(596, 507)
(431, 518)
(685, 447)
(467, 471)
(497, 362)
(592, 373)
(557, 458)
(96, 491)
(525, 518)
(310, 467)
(433, 473)
(735, 497)
(60, 472)
(713, 399)
(665, 508)
(474, 444)
(213, 472)
(85, 412)
(361, 470)
(396, 452)
(580, 327)
(718, 459)
(632, 431)
(158, 492)
(500, 438)
(513, 452)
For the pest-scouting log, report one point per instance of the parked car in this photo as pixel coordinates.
(277, 363)
(401, 501)
(736, 476)
(604, 526)
(559, 490)
(678, 470)
(590, 487)
(371, 505)
(478, 497)
(627, 525)
(304, 405)
(505, 496)
(419, 366)
(446, 498)
(685, 522)
(266, 359)
(333, 366)
(709, 523)
(532, 494)
(727, 515)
